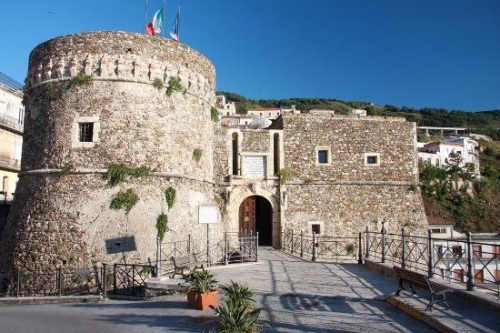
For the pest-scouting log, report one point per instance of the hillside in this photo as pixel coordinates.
(476, 209)
(482, 122)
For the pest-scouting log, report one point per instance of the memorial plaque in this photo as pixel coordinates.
(255, 166)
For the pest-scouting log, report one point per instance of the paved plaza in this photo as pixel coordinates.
(295, 296)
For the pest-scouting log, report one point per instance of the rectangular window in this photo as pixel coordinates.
(323, 156)
(372, 159)
(85, 132)
(457, 250)
(316, 228)
(478, 253)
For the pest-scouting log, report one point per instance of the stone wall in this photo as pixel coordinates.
(60, 216)
(346, 195)
(349, 138)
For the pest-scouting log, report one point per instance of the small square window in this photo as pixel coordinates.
(85, 132)
(323, 156)
(316, 228)
(371, 159)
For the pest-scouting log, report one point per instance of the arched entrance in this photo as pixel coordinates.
(256, 215)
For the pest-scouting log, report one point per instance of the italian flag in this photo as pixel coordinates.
(154, 27)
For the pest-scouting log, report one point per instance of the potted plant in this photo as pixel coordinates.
(235, 314)
(202, 291)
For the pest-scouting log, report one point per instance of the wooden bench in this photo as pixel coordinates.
(186, 262)
(413, 278)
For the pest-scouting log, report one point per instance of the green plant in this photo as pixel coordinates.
(80, 79)
(414, 188)
(349, 248)
(201, 281)
(117, 173)
(170, 194)
(145, 271)
(50, 87)
(197, 154)
(158, 83)
(67, 169)
(284, 174)
(161, 226)
(238, 293)
(214, 114)
(235, 314)
(126, 200)
(173, 85)
(234, 318)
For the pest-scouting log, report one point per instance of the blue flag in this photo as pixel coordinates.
(174, 32)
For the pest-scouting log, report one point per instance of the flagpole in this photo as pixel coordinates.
(145, 14)
(179, 24)
(164, 11)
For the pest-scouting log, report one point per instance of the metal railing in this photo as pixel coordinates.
(459, 260)
(233, 247)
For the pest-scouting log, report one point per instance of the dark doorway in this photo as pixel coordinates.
(256, 215)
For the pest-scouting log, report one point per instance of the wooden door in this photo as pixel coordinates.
(247, 216)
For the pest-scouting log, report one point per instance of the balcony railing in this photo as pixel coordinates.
(12, 123)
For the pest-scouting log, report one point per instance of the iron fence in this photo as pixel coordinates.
(233, 247)
(473, 263)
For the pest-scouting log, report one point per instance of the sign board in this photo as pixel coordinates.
(254, 166)
(208, 214)
(120, 244)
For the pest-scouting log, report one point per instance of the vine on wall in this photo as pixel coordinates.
(170, 194)
(126, 200)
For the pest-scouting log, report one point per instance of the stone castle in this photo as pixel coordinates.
(339, 174)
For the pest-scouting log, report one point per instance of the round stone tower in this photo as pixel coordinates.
(102, 99)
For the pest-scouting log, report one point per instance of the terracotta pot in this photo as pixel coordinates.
(203, 301)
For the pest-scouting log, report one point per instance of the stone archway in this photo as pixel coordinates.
(256, 215)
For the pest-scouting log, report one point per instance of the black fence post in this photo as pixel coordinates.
(158, 257)
(471, 286)
(18, 283)
(115, 289)
(403, 250)
(384, 232)
(302, 243)
(59, 282)
(226, 250)
(291, 250)
(367, 245)
(104, 282)
(315, 253)
(360, 251)
(257, 247)
(430, 245)
(188, 245)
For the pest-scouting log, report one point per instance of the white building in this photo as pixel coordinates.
(11, 134)
(226, 108)
(438, 153)
(451, 254)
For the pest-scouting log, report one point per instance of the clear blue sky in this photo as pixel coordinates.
(425, 53)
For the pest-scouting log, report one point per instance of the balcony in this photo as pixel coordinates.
(12, 124)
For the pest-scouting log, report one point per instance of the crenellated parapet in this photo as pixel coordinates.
(131, 58)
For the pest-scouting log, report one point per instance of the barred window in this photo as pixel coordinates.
(85, 132)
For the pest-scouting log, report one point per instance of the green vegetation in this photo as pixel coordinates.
(158, 83)
(214, 114)
(201, 281)
(197, 154)
(236, 313)
(452, 195)
(170, 195)
(67, 169)
(161, 226)
(126, 200)
(482, 122)
(284, 174)
(117, 173)
(78, 80)
(173, 85)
